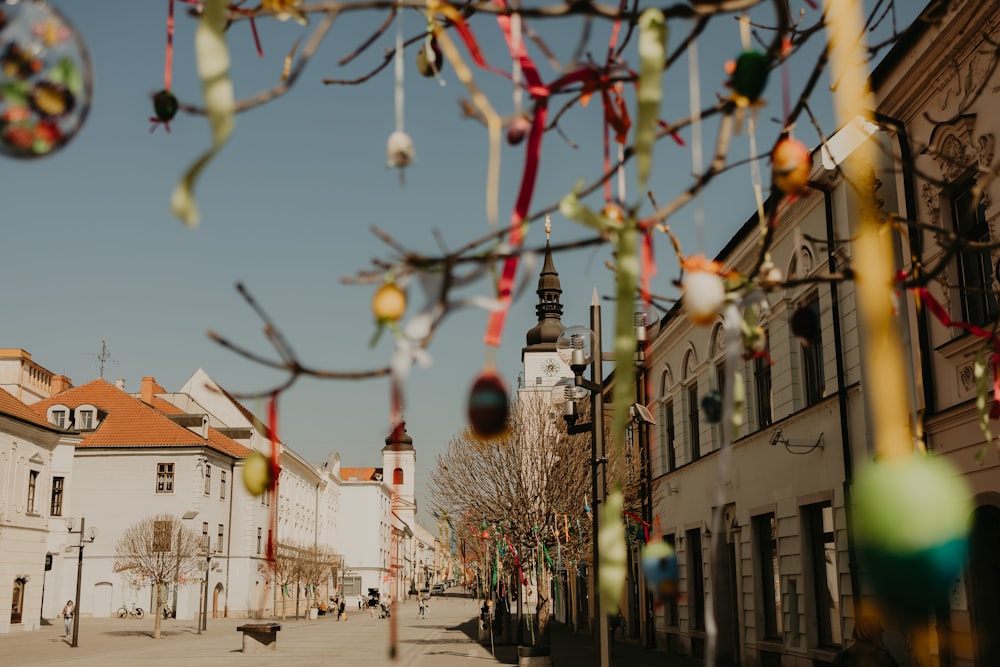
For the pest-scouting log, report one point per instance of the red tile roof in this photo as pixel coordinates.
(359, 474)
(11, 405)
(221, 442)
(129, 422)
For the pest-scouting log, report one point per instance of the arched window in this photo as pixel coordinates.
(397, 476)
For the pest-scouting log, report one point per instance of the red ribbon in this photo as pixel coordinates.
(272, 427)
(942, 316)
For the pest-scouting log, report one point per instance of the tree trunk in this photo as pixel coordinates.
(156, 611)
(543, 607)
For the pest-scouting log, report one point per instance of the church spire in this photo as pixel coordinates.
(544, 334)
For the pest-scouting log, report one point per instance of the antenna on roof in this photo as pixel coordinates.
(103, 357)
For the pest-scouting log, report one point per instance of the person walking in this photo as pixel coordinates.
(361, 602)
(421, 608)
(67, 614)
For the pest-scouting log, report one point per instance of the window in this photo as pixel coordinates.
(222, 484)
(696, 580)
(668, 459)
(204, 535)
(762, 388)
(822, 554)
(975, 265)
(164, 477)
(57, 496)
(85, 420)
(397, 476)
(812, 355)
(670, 607)
(161, 536)
(222, 532)
(768, 587)
(694, 427)
(32, 486)
(59, 418)
(208, 479)
(260, 536)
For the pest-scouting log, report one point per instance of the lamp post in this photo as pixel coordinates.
(84, 537)
(203, 624)
(581, 347)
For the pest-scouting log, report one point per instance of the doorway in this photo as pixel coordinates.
(17, 601)
(983, 585)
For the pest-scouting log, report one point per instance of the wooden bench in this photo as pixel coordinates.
(259, 637)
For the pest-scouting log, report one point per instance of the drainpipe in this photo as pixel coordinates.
(229, 536)
(845, 432)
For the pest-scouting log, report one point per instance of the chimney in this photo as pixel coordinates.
(120, 383)
(149, 389)
(59, 384)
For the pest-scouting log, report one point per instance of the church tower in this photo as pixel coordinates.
(399, 465)
(541, 365)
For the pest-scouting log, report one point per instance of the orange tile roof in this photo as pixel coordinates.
(11, 405)
(220, 441)
(129, 421)
(359, 474)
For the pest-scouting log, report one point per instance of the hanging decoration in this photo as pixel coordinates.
(659, 567)
(46, 80)
(388, 305)
(912, 523)
(488, 405)
(165, 102)
(399, 149)
(212, 56)
(791, 163)
(703, 288)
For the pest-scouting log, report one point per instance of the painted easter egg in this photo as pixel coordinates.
(704, 294)
(659, 566)
(257, 473)
(389, 303)
(488, 406)
(791, 163)
(164, 106)
(912, 521)
(749, 75)
(711, 405)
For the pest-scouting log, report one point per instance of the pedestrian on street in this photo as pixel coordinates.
(361, 602)
(341, 613)
(67, 614)
(422, 608)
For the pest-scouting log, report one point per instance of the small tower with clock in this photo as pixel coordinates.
(542, 367)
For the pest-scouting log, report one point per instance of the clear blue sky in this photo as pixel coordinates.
(91, 251)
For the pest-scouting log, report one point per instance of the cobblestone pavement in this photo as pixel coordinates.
(448, 638)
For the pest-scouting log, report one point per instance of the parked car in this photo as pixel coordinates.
(438, 589)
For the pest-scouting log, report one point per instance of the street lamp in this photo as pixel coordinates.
(580, 347)
(85, 536)
(203, 624)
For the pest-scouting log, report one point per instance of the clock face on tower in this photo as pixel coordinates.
(550, 367)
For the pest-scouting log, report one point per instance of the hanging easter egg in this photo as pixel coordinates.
(488, 406)
(659, 567)
(614, 212)
(164, 106)
(912, 521)
(257, 473)
(805, 324)
(704, 294)
(399, 150)
(769, 275)
(711, 404)
(518, 130)
(389, 303)
(748, 75)
(429, 58)
(791, 163)
(45, 78)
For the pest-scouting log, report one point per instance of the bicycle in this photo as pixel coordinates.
(134, 612)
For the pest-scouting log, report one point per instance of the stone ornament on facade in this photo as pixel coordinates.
(955, 148)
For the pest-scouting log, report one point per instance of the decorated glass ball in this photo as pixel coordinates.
(659, 566)
(488, 405)
(912, 520)
(704, 294)
(46, 79)
(791, 163)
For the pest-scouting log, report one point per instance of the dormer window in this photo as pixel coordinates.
(58, 417)
(85, 420)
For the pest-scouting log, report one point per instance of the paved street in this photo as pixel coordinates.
(446, 639)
